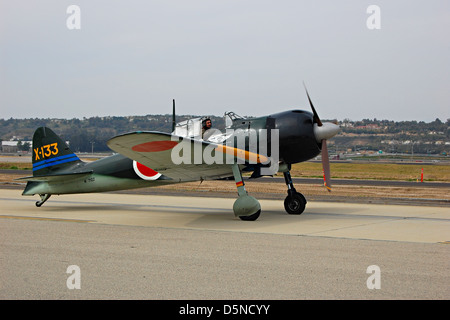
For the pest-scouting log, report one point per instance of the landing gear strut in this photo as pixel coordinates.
(295, 202)
(246, 207)
(44, 197)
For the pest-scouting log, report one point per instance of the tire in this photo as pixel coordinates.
(295, 204)
(252, 217)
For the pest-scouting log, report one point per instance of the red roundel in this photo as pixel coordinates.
(145, 172)
(154, 146)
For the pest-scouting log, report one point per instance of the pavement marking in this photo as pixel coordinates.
(45, 219)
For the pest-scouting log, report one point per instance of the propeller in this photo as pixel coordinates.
(322, 132)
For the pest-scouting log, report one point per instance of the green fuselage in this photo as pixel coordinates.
(108, 174)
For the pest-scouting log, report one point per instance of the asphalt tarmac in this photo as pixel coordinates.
(128, 246)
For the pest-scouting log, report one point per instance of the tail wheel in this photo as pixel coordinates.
(295, 203)
(44, 197)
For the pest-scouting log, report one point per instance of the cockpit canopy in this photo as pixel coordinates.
(192, 128)
(229, 117)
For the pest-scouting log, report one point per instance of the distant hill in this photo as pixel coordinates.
(355, 136)
(394, 137)
(97, 130)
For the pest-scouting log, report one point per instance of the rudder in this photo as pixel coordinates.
(50, 153)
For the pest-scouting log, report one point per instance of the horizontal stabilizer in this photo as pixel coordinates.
(56, 177)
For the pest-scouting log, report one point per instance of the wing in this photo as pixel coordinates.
(181, 159)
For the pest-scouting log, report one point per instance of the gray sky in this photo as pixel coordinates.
(250, 57)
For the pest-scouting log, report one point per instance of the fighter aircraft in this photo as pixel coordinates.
(263, 146)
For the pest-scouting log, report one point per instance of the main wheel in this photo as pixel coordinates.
(295, 203)
(252, 217)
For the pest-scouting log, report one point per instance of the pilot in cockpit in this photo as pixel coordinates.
(206, 125)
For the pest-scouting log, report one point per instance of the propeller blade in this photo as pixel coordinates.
(316, 118)
(326, 165)
(173, 115)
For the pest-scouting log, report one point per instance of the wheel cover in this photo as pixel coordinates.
(294, 204)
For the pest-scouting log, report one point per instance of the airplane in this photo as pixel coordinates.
(150, 158)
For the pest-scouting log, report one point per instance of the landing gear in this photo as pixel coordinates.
(246, 207)
(295, 202)
(44, 197)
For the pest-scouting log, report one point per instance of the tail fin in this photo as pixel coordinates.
(50, 153)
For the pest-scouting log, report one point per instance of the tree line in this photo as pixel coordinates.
(90, 134)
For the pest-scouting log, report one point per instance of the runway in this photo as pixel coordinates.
(358, 182)
(166, 247)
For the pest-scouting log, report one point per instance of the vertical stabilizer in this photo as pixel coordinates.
(50, 153)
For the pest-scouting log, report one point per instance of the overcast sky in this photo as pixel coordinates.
(250, 57)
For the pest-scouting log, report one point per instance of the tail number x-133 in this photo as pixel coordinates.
(46, 151)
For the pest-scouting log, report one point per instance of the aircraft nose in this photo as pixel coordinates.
(326, 131)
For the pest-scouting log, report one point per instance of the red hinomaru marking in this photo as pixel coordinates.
(145, 172)
(154, 146)
(239, 184)
(149, 172)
